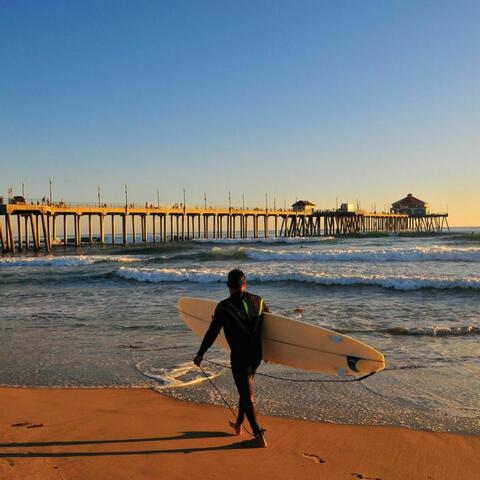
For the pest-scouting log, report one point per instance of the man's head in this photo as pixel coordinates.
(236, 281)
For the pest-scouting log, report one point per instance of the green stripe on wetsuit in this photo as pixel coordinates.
(246, 305)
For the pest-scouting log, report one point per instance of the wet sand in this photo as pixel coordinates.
(140, 434)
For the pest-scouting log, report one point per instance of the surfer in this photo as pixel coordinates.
(241, 317)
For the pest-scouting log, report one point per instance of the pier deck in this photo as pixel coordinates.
(26, 226)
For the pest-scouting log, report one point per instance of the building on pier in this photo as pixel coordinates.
(303, 206)
(411, 206)
(347, 208)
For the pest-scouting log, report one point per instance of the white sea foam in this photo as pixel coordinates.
(67, 260)
(159, 275)
(417, 254)
(435, 330)
(206, 275)
(366, 255)
(183, 375)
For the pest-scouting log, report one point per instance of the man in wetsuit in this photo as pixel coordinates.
(241, 317)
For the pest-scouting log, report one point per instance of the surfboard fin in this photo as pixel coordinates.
(352, 363)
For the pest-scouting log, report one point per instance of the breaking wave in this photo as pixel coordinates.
(161, 275)
(417, 254)
(67, 260)
(429, 331)
(396, 282)
(215, 253)
(275, 240)
(435, 331)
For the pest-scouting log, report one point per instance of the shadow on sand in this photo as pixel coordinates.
(182, 436)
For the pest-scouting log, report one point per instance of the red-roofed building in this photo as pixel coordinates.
(411, 205)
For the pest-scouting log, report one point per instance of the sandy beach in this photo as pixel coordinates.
(139, 433)
(210, 209)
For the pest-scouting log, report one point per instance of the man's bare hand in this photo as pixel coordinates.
(198, 360)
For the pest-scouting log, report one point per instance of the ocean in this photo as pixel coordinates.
(106, 316)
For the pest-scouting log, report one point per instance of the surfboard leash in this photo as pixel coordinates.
(273, 377)
(223, 398)
(297, 380)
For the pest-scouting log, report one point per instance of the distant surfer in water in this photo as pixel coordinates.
(241, 317)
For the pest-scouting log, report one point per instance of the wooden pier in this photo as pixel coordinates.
(35, 226)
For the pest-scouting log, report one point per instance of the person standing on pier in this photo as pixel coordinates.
(241, 317)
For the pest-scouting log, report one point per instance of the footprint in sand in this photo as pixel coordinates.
(314, 457)
(27, 425)
(363, 477)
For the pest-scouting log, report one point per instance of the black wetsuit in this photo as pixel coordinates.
(242, 331)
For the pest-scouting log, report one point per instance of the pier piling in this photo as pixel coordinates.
(182, 224)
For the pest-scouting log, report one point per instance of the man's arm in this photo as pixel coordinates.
(210, 336)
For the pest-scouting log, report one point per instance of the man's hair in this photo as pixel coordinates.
(236, 278)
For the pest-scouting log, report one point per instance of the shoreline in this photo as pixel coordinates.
(168, 393)
(121, 432)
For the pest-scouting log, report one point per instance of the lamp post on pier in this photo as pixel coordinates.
(158, 198)
(99, 197)
(126, 196)
(205, 199)
(50, 187)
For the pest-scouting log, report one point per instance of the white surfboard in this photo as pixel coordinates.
(292, 343)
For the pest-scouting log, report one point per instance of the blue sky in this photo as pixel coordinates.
(352, 100)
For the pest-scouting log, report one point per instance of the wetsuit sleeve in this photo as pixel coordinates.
(212, 332)
(265, 308)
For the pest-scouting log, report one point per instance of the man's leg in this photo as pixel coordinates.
(244, 382)
(241, 413)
